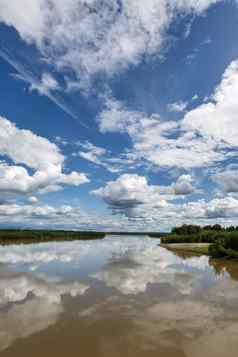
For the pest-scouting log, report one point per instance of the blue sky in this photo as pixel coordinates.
(118, 115)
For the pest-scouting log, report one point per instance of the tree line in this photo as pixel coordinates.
(223, 240)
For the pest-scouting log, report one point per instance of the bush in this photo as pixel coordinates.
(231, 242)
(216, 250)
(224, 241)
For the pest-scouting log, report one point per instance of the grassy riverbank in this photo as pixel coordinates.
(217, 241)
(196, 248)
(14, 236)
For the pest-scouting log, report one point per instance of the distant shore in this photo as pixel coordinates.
(24, 236)
(28, 236)
(215, 241)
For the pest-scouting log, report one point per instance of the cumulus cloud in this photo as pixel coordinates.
(158, 206)
(62, 217)
(127, 190)
(33, 199)
(217, 118)
(131, 191)
(201, 138)
(132, 195)
(184, 185)
(223, 207)
(91, 37)
(141, 207)
(44, 215)
(27, 149)
(228, 179)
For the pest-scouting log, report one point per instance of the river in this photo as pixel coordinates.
(120, 296)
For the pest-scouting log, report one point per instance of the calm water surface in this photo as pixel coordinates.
(121, 296)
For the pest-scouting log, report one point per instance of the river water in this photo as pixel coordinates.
(121, 296)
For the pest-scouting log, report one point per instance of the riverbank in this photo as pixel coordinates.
(196, 248)
(216, 241)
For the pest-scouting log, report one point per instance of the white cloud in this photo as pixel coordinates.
(63, 217)
(33, 200)
(140, 206)
(27, 19)
(131, 194)
(195, 97)
(163, 143)
(158, 206)
(179, 106)
(46, 84)
(35, 152)
(201, 138)
(217, 119)
(184, 186)
(44, 215)
(155, 208)
(91, 153)
(61, 141)
(22, 146)
(89, 37)
(228, 179)
(222, 207)
(74, 178)
(101, 157)
(127, 191)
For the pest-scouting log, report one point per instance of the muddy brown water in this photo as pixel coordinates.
(122, 296)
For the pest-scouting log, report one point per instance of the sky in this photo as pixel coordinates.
(118, 114)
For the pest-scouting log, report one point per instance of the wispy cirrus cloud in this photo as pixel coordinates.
(44, 83)
(179, 106)
(99, 156)
(92, 37)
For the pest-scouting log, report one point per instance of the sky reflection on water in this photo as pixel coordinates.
(122, 295)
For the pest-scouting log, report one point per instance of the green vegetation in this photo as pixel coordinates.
(12, 236)
(28, 236)
(223, 242)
